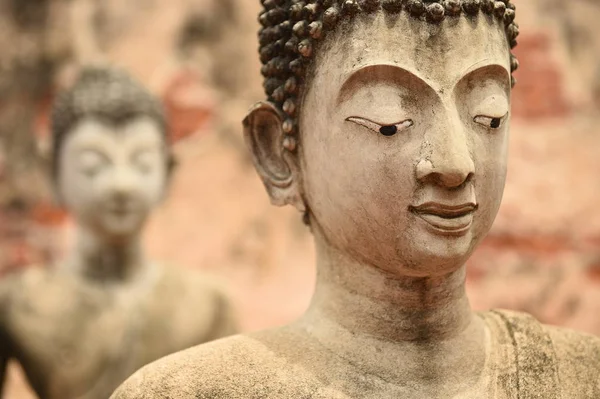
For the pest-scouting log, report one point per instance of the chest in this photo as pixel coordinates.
(74, 341)
(367, 387)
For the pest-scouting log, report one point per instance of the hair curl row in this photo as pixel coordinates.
(291, 29)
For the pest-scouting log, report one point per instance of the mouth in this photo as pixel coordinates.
(446, 219)
(120, 210)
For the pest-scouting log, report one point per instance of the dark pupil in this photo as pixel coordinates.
(495, 123)
(388, 130)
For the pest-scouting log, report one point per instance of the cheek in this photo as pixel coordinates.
(153, 186)
(76, 190)
(358, 186)
(492, 176)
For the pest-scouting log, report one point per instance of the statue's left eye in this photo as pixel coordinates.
(489, 122)
(388, 130)
(385, 130)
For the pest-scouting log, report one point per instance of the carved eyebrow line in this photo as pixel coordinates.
(146, 147)
(143, 150)
(88, 149)
(363, 73)
(475, 68)
(346, 89)
(358, 119)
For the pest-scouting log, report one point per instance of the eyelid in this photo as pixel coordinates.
(142, 153)
(95, 153)
(489, 117)
(375, 126)
(490, 106)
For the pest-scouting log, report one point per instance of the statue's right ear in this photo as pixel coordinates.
(277, 167)
(51, 175)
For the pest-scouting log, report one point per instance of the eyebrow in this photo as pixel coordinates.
(495, 71)
(349, 87)
(390, 72)
(136, 151)
(94, 150)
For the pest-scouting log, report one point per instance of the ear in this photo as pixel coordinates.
(276, 165)
(48, 164)
(171, 167)
(55, 189)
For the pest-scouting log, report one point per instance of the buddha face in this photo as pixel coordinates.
(403, 141)
(111, 177)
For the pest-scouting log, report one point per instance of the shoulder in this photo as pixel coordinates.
(578, 362)
(189, 282)
(42, 295)
(243, 366)
(571, 359)
(27, 285)
(31, 276)
(575, 346)
(193, 372)
(31, 292)
(198, 295)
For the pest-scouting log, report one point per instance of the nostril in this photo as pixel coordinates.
(469, 177)
(453, 179)
(443, 174)
(424, 169)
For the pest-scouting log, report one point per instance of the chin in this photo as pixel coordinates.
(122, 229)
(437, 256)
(121, 233)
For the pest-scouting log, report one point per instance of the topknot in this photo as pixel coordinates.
(291, 28)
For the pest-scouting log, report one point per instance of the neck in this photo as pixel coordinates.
(365, 299)
(102, 259)
(372, 317)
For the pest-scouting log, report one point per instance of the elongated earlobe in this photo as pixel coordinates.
(276, 166)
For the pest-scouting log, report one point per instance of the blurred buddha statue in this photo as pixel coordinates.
(387, 125)
(81, 328)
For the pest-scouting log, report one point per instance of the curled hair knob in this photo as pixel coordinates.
(435, 12)
(416, 8)
(471, 7)
(331, 17)
(392, 6)
(350, 8)
(499, 9)
(369, 5)
(452, 7)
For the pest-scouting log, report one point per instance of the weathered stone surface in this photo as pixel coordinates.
(540, 257)
(394, 217)
(289, 363)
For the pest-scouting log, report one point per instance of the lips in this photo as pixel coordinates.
(120, 209)
(446, 219)
(120, 212)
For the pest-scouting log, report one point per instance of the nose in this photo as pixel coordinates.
(122, 184)
(446, 160)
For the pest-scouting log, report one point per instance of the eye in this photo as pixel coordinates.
(386, 130)
(490, 121)
(91, 162)
(145, 160)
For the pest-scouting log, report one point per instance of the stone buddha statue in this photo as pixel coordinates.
(81, 328)
(387, 126)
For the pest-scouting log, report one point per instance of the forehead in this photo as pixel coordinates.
(93, 132)
(440, 55)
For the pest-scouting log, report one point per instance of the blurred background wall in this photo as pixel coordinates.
(199, 56)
